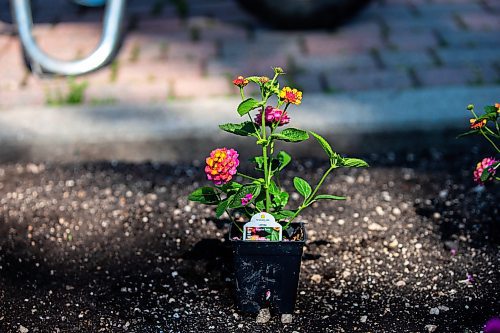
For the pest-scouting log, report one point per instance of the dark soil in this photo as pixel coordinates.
(116, 247)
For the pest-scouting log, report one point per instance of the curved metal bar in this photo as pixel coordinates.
(100, 56)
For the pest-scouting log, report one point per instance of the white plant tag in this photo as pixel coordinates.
(262, 227)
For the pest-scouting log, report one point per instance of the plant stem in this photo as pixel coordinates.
(229, 214)
(320, 183)
(267, 177)
(487, 138)
(264, 155)
(246, 176)
(307, 201)
(233, 221)
(242, 94)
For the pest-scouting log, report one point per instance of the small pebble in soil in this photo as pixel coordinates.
(23, 329)
(286, 318)
(400, 283)
(376, 227)
(363, 319)
(430, 328)
(316, 278)
(434, 311)
(263, 317)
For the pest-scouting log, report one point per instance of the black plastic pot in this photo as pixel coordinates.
(267, 273)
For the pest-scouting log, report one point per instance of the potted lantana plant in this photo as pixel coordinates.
(486, 125)
(268, 244)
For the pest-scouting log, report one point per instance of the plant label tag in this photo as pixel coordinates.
(262, 227)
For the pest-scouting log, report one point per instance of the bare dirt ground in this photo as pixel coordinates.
(116, 247)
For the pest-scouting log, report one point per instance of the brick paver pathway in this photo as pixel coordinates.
(393, 44)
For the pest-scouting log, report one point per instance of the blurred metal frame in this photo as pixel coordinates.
(41, 62)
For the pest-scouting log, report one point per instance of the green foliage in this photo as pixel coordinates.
(246, 128)
(487, 126)
(75, 94)
(284, 159)
(267, 194)
(291, 135)
(328, 197)
(242, 192)
(222, 206)
(302, 187)
(354, 163)
(205, 195)
(248, 105)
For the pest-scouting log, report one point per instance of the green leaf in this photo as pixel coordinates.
(230, 187)
(254, 79)
(302, 187)
(468, 133)
(248, 105)
(291, 135)
(205, 195)
(244, 190)
(281, 199)
(274, 189)
(222, 206)
(260, 204)
(490, 109)
(354, 163)
(283, 214)
(246, 128)
(259, 162)
(284, 160)
(275, 236)
(324, 144)
(328, 197)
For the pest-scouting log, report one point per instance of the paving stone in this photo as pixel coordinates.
(134, 73)
(213, 30)
(471, 38)
(407, 40)
(451, 56)
(12, 67)
(202, 87)
(162, 26)
(218, 40)
(191, 50)
(396, 11)
(423, 24)
(309, 82)
(330, 44)
(227, 11)
(349, 81)
(438, 10)
(126, 93)
(143, 48)
(5, 40)
(481, 21)
(66, 46)
(21, 97)
(464, 75)
(258, 50)
(247, 66)
(358, 61)
(406, 59)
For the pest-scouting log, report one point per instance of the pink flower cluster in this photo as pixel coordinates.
(273, 116)
(481, 166)
(221, 165)
(246, 199)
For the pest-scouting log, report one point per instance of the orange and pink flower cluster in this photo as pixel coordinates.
(221, 165)
(487, 162)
